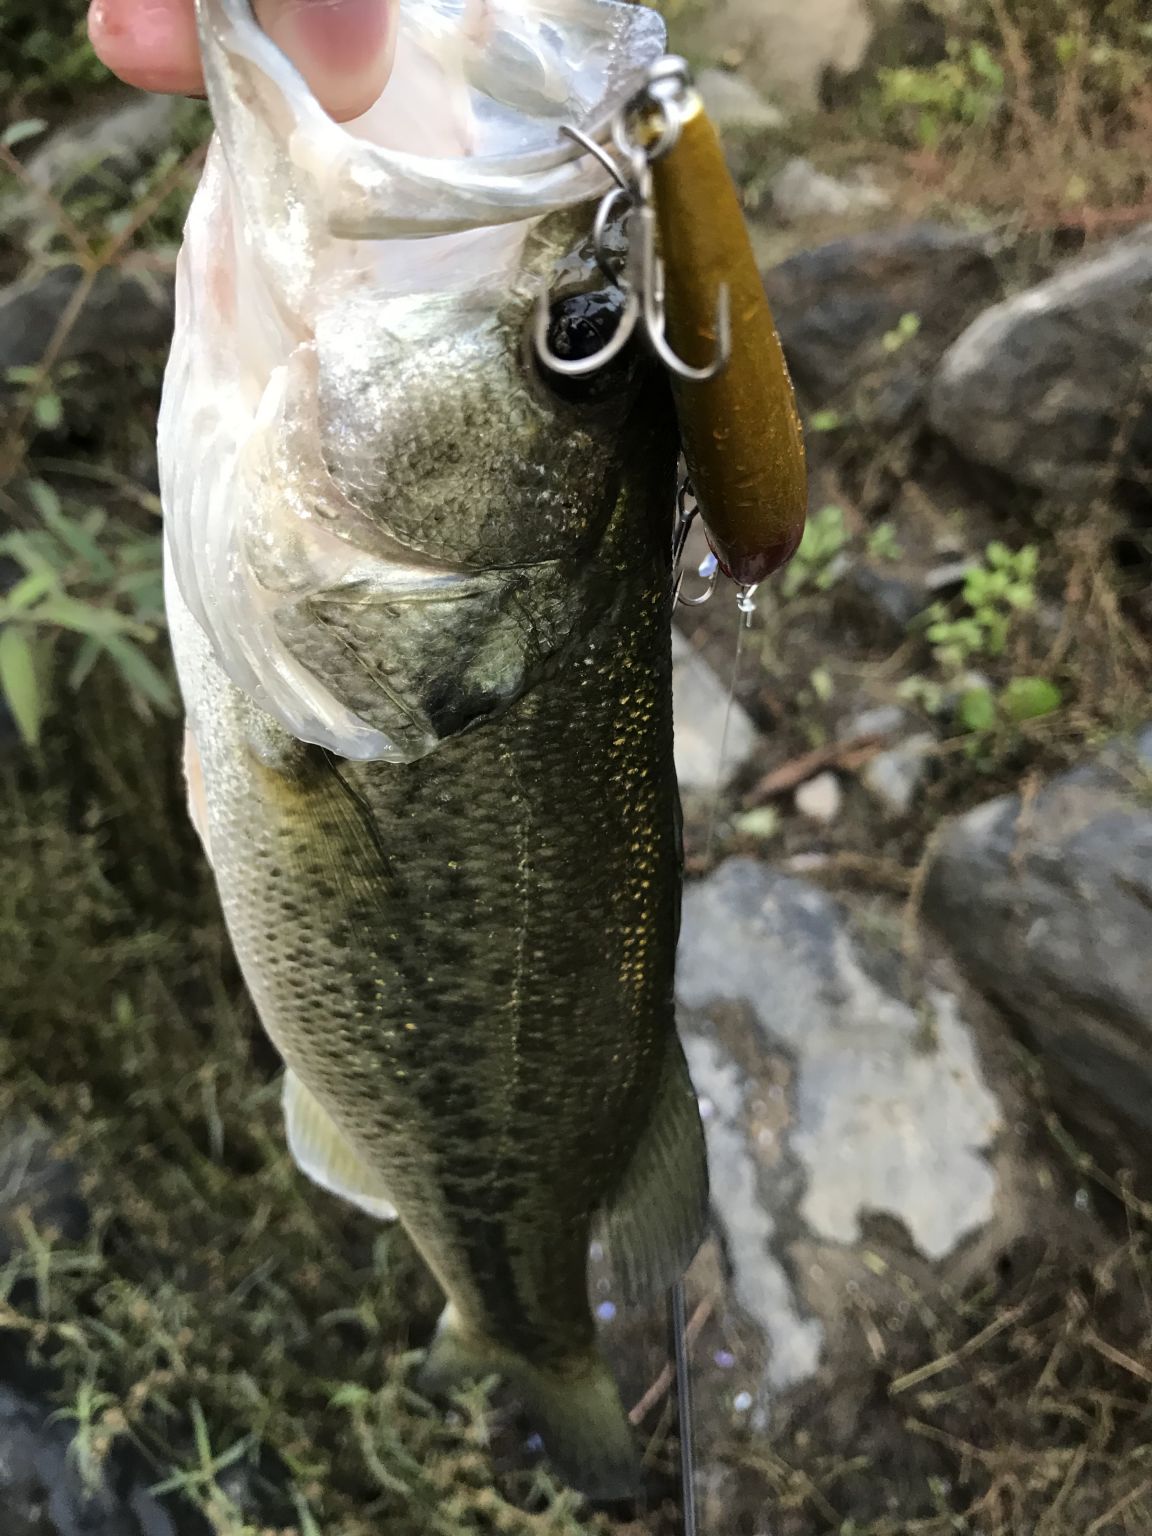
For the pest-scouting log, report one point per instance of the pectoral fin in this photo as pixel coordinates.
(658, 1217)
(323, 1152)
(194, 782)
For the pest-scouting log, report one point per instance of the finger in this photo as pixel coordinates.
(149, 43)
(344, 48)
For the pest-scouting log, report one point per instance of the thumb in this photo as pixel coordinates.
(343, 48)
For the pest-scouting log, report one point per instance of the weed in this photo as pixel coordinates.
(995, 591)
(935, 106)
(80, 574)
(45, 57)
(883, 543)
(906, 329)
(815, 565)
(1038, 109)
(826, 421)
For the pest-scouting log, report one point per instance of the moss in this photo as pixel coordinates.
(45, 59)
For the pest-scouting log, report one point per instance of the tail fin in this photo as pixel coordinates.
(574, 1407)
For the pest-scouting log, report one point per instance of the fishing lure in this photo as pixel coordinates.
(691, 285)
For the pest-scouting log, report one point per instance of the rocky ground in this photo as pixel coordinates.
(915, 978)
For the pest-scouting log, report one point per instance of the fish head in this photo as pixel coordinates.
(386, 516)
(439, 423)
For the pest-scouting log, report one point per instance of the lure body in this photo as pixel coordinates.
(741, 430)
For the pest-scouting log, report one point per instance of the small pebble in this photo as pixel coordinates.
(742, 1402)
(724, 1359)
(883, 720)
(820, 799)
(734, 102)
(894, 777)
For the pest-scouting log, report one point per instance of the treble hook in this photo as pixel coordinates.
(642, 280)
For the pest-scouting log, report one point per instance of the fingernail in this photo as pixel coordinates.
(343, 48)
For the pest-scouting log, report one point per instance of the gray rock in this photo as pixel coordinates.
(1051, 387)
(894, 777)
(881, 600)
(735, 105)
(715, 740)
(835, 304)
(799, 192)
(785, 49)
(949, 576)
(830, 1100)
(126, 310)
(1050, 912)
(43, 1491)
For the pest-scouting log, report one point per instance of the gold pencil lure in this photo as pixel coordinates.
(691, 284)
(740, 429)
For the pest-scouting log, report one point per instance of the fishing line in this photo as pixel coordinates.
(679, 1330)
(718, 789)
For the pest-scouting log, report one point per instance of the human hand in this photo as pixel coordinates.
(343, 48)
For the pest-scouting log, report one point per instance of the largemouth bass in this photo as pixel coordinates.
(419, 595)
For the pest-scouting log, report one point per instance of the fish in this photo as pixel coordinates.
(419, 595)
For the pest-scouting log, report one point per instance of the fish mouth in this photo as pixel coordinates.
(467, 132)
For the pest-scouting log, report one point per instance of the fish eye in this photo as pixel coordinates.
(581, 325)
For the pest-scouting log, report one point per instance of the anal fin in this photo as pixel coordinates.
(653, 1225)
(323, 1152)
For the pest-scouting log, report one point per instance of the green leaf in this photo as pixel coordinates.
(825, 421)
(34, 553)
(79, 541)
(48, 411)
(29, 591)
(1030, 698)
(760, 824)
(976, 710)
(883, 543)
(140, 673)
(87, 655)
(83, 618)
(19, 682)
(27, 128)
(907, 328)
(43, 498)
(823, 684)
